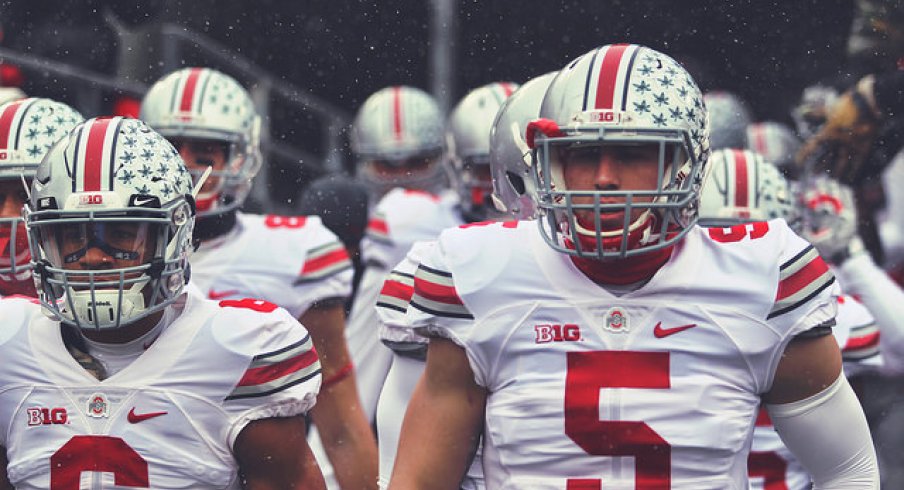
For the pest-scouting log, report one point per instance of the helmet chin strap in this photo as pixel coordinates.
(102, 309)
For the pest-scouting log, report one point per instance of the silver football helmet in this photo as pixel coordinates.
(620, 99)
(514, 189)
(28, 128)
(776, 142)
(397, 138)
(728, 120)
(743, 187)
(110, 220)
(468, 146)
(202, 105)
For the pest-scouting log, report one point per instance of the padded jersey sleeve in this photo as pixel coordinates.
(806, 290)
(326, 273)
(437, 310)
(392, 304)
(282, 374)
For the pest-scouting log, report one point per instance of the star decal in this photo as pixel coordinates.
(126, 177)
(659, 119)
(34, 151)
(661, 99)
(642, 106)
(642, 87)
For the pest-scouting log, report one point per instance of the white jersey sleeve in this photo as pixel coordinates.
(293, 262)
(282, 377)
(392, 304)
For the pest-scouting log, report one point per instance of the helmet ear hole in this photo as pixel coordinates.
(517, 182)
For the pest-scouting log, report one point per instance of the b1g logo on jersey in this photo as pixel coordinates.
(568, 332)
(47, 416)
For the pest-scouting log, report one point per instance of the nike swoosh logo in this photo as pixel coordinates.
(134, 418)
(142, 201)
(660, 332)
(221, 294)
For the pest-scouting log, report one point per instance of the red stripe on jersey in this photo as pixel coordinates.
(398, 290)
(741, 179)
(6, 123)
(436, 292)
(265, 374)
(188, 93)
(397, 112)
(605, 87)
(854, 343)
(583, 484)
(326, 260)
(762, 418)
(94, 153)
(507, 89)
(802, 278)
(378, 225)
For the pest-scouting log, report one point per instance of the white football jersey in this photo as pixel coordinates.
(169, 419)
(400, 219)
(292, 261)
(658, 387)
(771, 465)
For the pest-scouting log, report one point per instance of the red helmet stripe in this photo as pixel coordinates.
(759, 132)
(605, 85)
(6, 123)
(188, 92)
(94, 154)
(397, 112)
(741, 179)
(507, 89)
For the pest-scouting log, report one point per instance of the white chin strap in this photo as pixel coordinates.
(106, 304)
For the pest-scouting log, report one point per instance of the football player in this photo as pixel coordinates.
(295, 262)
(397, 139)
(742, 187)
(777, 143)
(468, 164)
(128, 379)
(613, 341)
(28, 128)
(728, 119)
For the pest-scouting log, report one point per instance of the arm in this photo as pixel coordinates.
(884, 299)
(347, 437)
(437, 455)
(273, 454)
(809, 401)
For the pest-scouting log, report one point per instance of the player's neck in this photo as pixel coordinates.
(637, 269)
(126, 333)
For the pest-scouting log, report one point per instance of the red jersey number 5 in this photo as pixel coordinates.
(588, 372)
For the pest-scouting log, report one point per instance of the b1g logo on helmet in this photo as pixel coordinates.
(605, 117)
(47, 416)
(616, 320)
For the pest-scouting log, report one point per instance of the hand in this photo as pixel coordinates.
(842, 145)
(830, 219)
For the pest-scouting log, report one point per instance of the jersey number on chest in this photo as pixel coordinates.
(588, 373)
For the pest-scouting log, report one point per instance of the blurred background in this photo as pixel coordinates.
(310, 64)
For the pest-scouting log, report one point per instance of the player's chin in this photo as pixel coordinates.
(607, 221)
